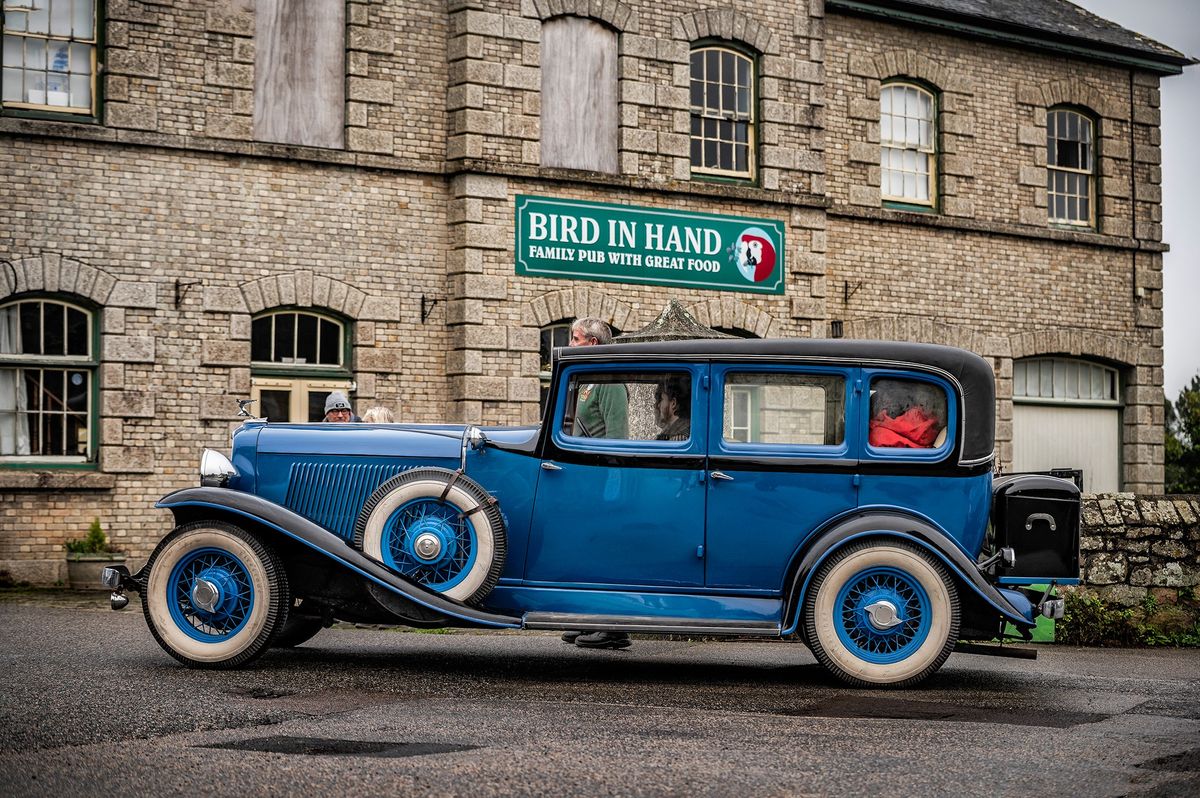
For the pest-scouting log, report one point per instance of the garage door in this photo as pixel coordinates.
(1066, 415)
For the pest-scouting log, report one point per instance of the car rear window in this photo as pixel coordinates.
(906, 414)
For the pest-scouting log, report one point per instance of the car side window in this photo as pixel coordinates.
(636, 406)
(784, 408)
(907, 414)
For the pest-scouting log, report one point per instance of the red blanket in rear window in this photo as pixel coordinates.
(912, 429)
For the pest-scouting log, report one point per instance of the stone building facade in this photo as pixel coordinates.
(176, 214)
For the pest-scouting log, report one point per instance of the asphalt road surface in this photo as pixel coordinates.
(92, 706)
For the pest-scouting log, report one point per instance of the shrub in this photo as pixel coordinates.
(1088, 620)
(96, 542)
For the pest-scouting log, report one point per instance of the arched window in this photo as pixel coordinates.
(722, 112)
(1060, 379)
(297, 358)
(47, 381)
(908, 144)
(1070, 167)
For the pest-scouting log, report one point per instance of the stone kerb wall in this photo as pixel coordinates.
(1131, 545)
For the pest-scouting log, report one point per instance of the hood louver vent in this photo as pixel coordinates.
(331, 494)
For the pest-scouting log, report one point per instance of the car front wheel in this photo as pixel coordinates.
(882, 613)
(215, 595)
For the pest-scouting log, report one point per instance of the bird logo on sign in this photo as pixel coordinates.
(754, 254)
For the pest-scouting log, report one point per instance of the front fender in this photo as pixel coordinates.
(901, 527)
(300, 529)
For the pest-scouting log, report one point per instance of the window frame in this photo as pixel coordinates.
(580, 445)
(750, 174)
(954, 411)
(1093, 122)
(267, 368)
(1067, 362)
(722, 446)
(90, 364)
(933, 154)
(299, 388)
(93, 115)
(870, 377)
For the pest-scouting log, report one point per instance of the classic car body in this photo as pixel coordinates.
(837, 491)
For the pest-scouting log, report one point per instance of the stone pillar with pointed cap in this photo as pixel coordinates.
(673, 324)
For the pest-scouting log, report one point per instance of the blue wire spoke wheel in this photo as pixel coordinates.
(215, 595)
(438, 529)
(211, 594)
(430, 542)
(882, 613)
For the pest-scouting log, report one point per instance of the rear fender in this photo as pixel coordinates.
(891, 525)
(195, 503)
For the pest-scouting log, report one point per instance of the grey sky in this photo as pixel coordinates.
(1175, 23)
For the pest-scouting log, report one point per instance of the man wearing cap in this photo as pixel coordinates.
(337, 407)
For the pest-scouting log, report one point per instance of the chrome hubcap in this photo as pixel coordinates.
(882, 614)
(205, 595)
(427, 546)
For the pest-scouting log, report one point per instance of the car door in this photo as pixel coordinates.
(616, 506)
(780, 465)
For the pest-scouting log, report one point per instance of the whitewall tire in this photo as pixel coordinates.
(882, 613)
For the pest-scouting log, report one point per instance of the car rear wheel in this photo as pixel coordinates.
(215, 595)
(437, 528)
(882, 614)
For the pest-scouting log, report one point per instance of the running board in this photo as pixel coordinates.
(637, 623)
(989, 650)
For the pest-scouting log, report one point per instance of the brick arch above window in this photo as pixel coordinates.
(905, 64)
(734, 314)
(728, 24)
(1076, 343)
(53, 273)
(576, 303)
(1074, 92)
(613, 13)
(305, 289)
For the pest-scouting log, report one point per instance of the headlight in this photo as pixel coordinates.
(215, 469)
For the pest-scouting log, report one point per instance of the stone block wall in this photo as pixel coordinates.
(1132, 545)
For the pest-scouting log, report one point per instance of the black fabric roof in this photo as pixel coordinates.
(1047, 19)
(971, 371)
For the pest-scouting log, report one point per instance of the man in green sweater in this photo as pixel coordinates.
(601, 411)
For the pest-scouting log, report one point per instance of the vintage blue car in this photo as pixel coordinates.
(832, 491)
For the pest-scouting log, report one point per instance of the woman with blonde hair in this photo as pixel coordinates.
(379, 415)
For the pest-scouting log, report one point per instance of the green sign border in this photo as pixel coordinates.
(523, 201)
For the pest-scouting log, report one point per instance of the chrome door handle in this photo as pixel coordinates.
(719, 475)
(548, 466)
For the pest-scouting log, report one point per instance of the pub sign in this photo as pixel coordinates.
(580, 240)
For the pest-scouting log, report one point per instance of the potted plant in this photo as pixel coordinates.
(87, 556)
